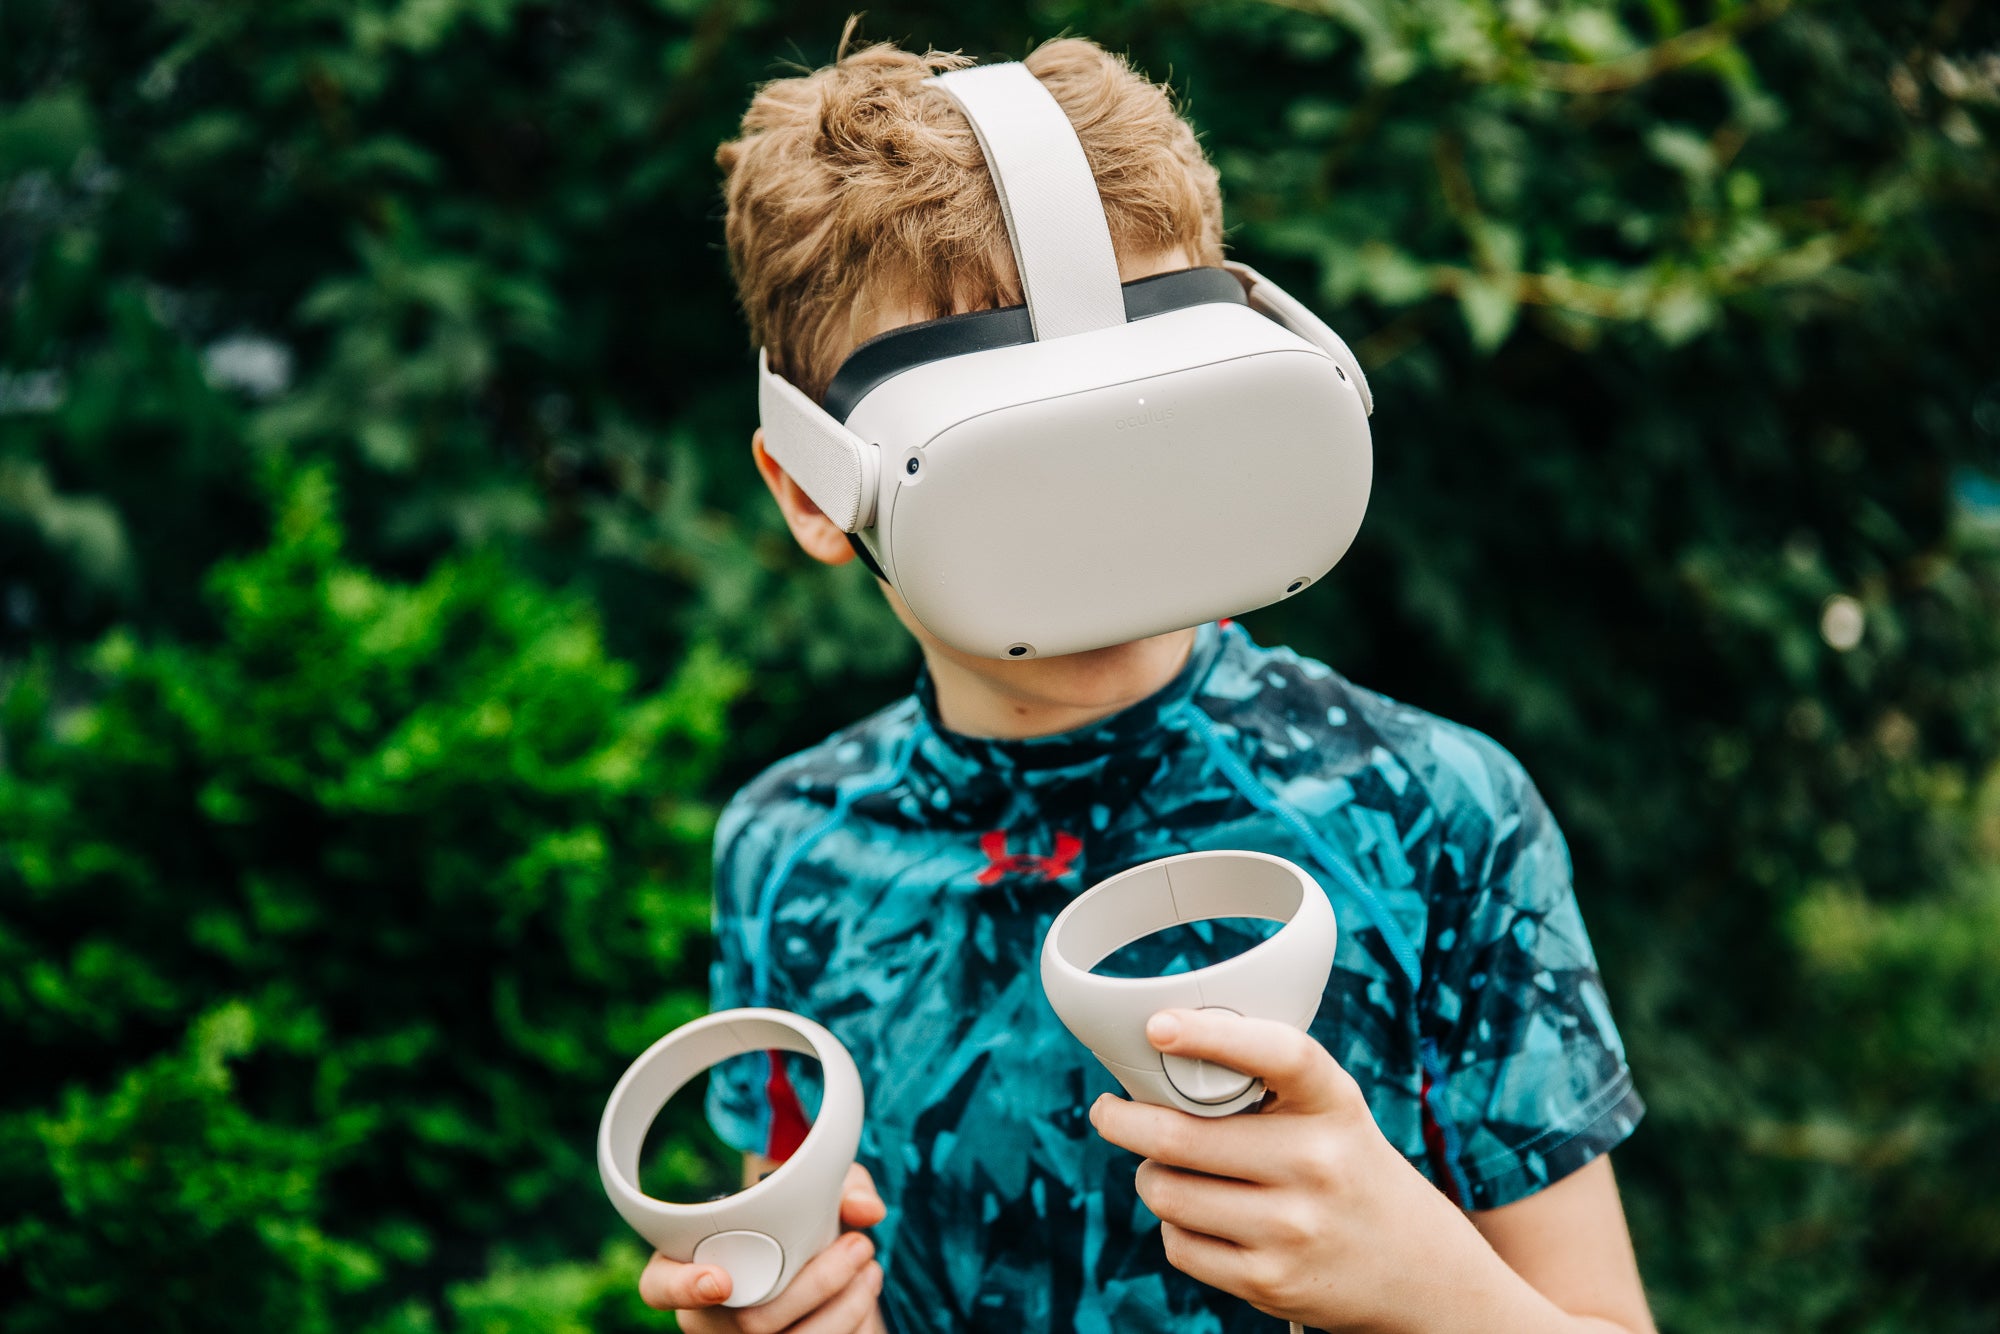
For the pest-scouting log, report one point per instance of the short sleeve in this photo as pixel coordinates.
(737, 1105)
(1535, 1078)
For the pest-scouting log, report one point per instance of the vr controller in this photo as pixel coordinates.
(1280, 978)
(764, 1234)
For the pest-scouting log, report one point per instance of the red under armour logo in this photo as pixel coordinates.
(1002, 863)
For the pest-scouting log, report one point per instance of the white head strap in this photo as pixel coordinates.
(1055, 218)
(1062, 250)
(830, 463)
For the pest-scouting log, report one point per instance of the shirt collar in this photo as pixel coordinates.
(958, 770)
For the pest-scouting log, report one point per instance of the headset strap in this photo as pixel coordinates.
(1055, 219)
(832, 464)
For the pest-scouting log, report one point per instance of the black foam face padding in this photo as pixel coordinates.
(890, 354)
(867, 556)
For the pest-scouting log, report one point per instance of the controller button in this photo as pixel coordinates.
(753, 1260)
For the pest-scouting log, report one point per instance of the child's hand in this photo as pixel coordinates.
(833, 1293)
(1302, 1208)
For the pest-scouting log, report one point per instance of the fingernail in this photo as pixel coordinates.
(875, 1276)
(709, 1287)
(1162, 1028)
(1095, 1106)
(857, 1244)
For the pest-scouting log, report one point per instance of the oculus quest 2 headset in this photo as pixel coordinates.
(1109, 461)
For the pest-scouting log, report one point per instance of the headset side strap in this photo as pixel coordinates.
(831, 464)
(1274, 301)
(1055, 219)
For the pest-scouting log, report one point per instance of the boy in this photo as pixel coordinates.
(1431, 1156)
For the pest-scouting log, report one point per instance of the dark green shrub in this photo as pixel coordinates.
(321, 944)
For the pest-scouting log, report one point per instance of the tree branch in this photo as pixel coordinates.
(1676, 52)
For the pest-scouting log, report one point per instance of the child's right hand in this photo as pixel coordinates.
(834, 1293)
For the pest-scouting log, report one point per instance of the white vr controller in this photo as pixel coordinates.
(1280, 978)
(762, 1235)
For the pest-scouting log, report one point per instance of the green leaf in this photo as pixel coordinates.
(1490, 306)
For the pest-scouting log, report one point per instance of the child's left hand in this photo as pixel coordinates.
(1302, 1208)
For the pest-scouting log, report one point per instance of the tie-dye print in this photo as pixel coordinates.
(895, 881)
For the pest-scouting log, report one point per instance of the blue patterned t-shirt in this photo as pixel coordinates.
(894, 883)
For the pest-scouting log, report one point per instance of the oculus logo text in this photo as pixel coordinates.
(1147, 417)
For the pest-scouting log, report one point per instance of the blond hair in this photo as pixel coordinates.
(857, 184)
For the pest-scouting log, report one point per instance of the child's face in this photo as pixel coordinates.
(1095, 681)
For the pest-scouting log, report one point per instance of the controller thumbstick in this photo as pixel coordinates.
(753, 1260)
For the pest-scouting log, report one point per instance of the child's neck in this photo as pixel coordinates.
(978, 698)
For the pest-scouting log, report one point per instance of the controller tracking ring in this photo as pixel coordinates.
(764, 1234)
(1280, 978)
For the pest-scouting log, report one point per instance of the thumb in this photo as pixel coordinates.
(1300, 1071)
(860, 1205)
(670, 1285)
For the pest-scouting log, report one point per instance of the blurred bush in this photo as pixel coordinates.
(1680, 320)
(322, 940)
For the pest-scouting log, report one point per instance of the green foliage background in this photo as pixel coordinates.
(386, 603)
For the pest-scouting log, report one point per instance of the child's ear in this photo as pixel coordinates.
(813, 531)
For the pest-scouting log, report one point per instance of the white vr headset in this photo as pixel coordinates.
(764, 1234)
(1280, 978)
(1104, 463)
